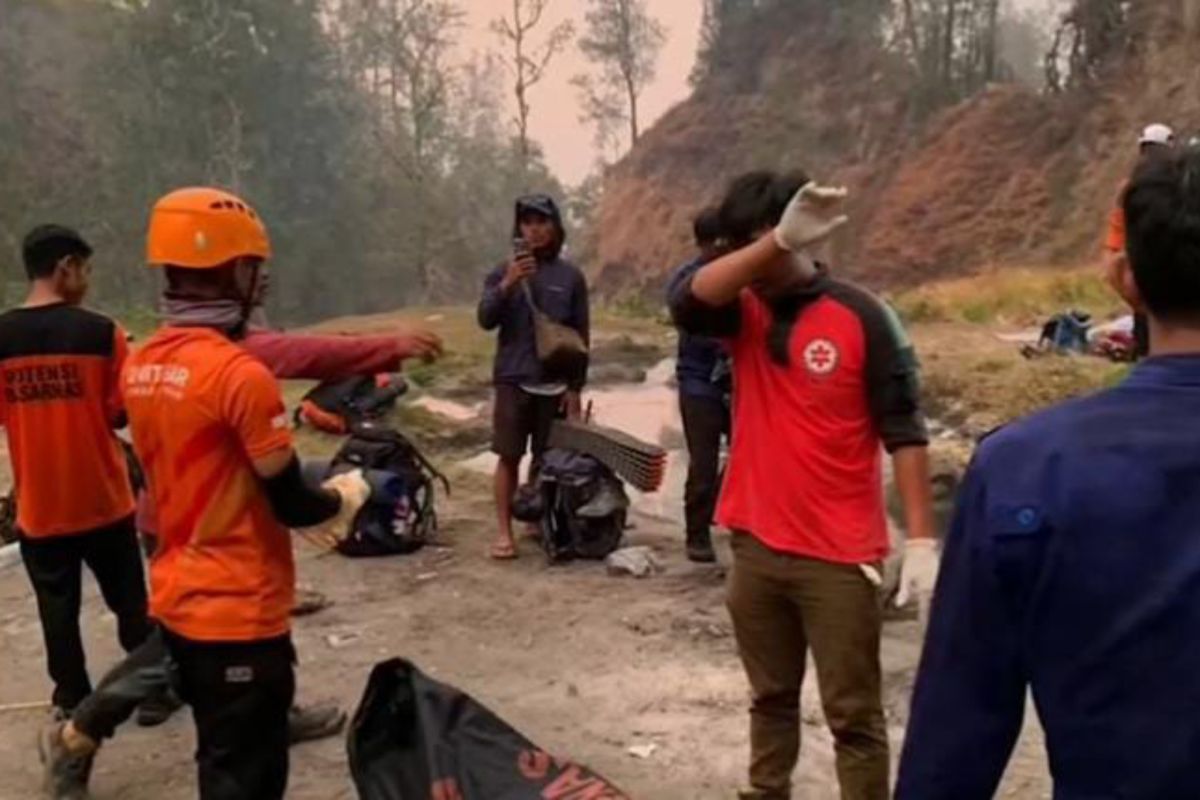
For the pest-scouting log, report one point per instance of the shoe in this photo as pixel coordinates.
(307, 724)
(700, 549)
(64, 776)
(762, 794)
(157, 709)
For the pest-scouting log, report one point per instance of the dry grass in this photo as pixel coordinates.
(973, 379)
(1021, 297)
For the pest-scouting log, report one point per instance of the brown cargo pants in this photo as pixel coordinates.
(781, 605)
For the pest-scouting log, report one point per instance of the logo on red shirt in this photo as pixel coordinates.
(821, 357)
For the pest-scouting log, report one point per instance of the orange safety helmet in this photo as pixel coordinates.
(203, 228)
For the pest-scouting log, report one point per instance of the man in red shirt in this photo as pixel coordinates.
(825, 379)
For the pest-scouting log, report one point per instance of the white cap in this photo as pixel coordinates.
(1157, 134)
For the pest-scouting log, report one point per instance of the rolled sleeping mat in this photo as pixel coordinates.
(641, 464)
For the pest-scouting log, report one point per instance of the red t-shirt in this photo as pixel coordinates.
(804, 473)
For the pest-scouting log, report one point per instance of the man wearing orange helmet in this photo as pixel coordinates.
(210, 429)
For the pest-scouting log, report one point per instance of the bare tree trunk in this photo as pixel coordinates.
(633, 111)
(992, 44)
(948, 48)
(1191, 16)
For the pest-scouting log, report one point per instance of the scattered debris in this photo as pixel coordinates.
(639, 562)
(340, 640)
(702, 629)
(642, 751)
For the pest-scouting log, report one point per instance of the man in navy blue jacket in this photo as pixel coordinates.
(528, 399)
(702, 403)
(1073, 564)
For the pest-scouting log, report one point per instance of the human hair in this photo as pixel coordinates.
(706, 227)
(46, 245)
(755, 201)
(1162, 213)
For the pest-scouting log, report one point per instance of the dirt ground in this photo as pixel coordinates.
(586, 665)
(583, 663)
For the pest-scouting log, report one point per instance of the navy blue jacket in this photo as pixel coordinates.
(560, 290)
(698, 355)
(1072, 569)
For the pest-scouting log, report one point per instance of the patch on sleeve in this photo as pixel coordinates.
(1016, 520)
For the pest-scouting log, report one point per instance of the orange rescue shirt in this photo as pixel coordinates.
(59, 400)
(1114, 236)
(202, 409)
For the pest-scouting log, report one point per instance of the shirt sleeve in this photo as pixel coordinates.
(697, 317)
(1114, 238)
(493, 300)
(969, 700)
(291, 356)
(253, 406)
(893, 382)
(114, 402)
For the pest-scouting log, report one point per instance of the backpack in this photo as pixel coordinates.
(400, 517)
(337, 407)
(585, 507)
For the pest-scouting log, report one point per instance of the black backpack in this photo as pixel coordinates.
(400, 517)
(339, 406)
(585, 507)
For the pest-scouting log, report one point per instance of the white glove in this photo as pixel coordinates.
(811, 216)
(354, 492)
(918, 573)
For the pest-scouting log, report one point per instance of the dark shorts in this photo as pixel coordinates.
(522, 422)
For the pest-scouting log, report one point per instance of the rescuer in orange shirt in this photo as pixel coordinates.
(212, 434)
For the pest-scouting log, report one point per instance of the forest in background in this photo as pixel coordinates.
(386, 174)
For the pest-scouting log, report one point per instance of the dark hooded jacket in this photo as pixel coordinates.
(558, 288)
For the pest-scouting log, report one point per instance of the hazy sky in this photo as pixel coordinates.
(555, 117)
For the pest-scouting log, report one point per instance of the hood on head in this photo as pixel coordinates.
(542, 204)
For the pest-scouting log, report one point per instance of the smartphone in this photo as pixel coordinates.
(520, 246)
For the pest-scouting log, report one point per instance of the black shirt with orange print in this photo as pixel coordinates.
(59, 402)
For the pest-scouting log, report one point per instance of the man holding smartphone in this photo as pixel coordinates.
(528, 399)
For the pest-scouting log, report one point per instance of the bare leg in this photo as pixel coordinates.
(507, 475)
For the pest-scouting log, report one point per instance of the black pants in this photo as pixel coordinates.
(704, 421)
(55, 567)
(522, 422)
(240, 693)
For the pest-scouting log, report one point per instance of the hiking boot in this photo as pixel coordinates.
(64, 776)
(307, 724)
(763, 794)
(158, 708)
(700, 549)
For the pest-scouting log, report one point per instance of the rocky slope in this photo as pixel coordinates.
(1008, 176)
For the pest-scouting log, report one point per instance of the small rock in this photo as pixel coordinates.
(426, 576)
(340, 640)
(642, 751)
(572, 690)
(636, 561)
